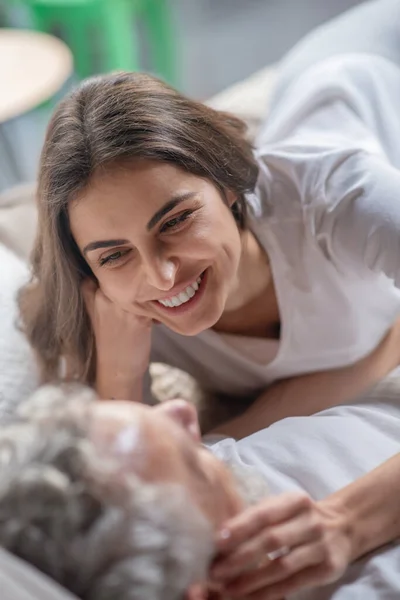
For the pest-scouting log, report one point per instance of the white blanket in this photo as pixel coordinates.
(323, 453)
(18, 373)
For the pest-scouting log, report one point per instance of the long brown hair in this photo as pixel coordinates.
(105, 120)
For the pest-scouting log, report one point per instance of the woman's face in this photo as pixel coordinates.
(161, 242)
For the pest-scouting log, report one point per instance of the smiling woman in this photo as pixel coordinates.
(256, 265)
(144, 206)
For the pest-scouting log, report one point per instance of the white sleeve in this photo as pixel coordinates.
(328, 137)
(357, 222)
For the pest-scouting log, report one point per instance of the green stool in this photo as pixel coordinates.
(105, 29)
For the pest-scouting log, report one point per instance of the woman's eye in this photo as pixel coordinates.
(175, 222)
(112, 258)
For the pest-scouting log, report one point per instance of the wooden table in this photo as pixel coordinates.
(33, 67)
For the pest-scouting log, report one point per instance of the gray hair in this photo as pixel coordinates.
(100, 534)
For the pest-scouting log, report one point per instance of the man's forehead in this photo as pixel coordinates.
(117, 426)
(117, 409)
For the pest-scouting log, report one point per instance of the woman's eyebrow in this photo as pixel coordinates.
(168, 206)
(103, 244)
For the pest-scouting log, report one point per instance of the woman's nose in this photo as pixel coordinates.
(161, 273)
(183, 413)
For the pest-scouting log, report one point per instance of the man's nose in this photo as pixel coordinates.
(183, 413)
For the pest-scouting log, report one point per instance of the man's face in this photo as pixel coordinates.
(162, 445)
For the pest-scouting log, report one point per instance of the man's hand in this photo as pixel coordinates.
(282, 545)
(123, 342)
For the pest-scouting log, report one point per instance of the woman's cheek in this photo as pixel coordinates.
(118, 288)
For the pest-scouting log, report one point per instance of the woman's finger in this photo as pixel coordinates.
(303, 530)
(282, 569)
(308, 578)
(253, 520)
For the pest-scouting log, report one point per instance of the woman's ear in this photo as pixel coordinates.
(231, 198)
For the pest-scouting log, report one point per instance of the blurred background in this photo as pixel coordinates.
(199, 46)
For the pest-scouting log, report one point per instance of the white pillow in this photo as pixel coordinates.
(18, 372)
(21, 581)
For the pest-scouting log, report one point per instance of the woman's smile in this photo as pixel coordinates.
(187, 299)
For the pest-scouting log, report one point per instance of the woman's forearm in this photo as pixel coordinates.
(308, 394)
(372, 508)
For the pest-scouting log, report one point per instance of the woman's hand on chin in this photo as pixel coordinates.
(123, 342)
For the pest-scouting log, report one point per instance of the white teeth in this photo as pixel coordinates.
(182, 297)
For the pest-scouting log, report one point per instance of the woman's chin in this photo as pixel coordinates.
(191, 326)
(188, 330)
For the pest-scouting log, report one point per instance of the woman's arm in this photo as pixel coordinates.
(307, 394)
(348, 191)
(357, 220)
(123, 343)
(372, 507)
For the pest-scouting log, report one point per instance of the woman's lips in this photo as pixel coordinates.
(189, 304)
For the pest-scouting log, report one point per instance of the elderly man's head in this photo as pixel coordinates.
(112, 499)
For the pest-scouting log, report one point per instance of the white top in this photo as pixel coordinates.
(327, 211)
(321, 454)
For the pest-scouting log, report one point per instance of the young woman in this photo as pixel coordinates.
(246, 266)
